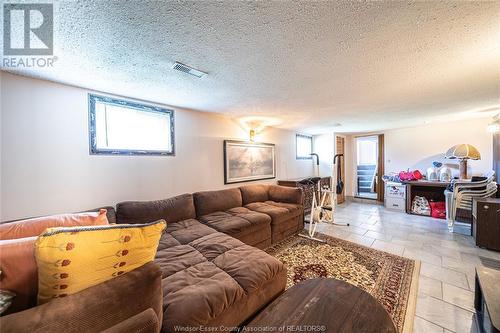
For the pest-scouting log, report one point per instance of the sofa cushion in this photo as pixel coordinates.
(19, 273)
(171, 210)
(214, 245)
(290, 206)
(110, 213)
(278, 212)
(237, 222)
(187, 230)
(217, 201)
(216, 280)
(254, 193)
(177, 258)
(197, 295)
(287, 228)
(286, 194)
(36, 226)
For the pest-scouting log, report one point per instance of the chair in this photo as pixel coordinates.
(463, 192)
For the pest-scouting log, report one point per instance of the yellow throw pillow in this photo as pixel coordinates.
(71, 259)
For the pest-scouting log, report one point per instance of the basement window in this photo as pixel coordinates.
(304, 146)
(122, 127)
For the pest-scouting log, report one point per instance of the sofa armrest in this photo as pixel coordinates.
(144, 322)
(96, 308)
(286, 194)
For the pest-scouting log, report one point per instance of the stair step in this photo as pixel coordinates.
(365, 177)
(366, 167)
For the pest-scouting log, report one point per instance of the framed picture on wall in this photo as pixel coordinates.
(248, 161)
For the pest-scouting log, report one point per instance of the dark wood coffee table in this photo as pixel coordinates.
(325, 305)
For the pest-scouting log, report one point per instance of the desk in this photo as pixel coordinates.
(307, 189)
(432, 190)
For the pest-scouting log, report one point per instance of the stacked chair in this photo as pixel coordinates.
(464, 192)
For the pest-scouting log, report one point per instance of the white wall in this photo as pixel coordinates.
(46, 167)
(417, 147)
(324, 146)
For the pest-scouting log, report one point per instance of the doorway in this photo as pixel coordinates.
(370, 167)
(340, 149)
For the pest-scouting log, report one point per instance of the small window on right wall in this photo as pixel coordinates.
(304, 146)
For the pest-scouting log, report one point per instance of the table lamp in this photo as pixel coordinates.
(463, 152)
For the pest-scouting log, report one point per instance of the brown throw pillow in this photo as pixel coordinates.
(19, 272)
(35, 226)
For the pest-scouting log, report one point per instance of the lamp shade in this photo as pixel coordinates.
(463, 151)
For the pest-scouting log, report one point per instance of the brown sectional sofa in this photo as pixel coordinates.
(212, 272)
(213, 275)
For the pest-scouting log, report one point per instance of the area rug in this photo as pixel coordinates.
(391, 279)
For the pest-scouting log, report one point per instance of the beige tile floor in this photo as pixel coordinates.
(446, 285)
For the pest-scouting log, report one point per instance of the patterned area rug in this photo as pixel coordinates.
(391, 279)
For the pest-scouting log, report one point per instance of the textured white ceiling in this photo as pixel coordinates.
(312, 65)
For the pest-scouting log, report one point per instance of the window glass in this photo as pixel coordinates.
(121, 127)
(304, 146)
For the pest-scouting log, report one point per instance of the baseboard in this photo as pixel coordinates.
(365, 201)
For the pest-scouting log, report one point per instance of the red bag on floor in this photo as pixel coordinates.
(438, 209)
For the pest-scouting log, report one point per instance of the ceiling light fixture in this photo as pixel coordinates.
(252, 135)
(257, 123)
(188, 70)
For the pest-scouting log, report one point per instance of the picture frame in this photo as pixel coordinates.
(248, 161)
